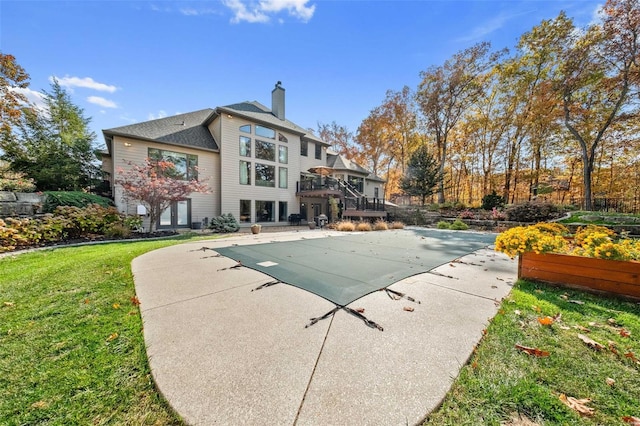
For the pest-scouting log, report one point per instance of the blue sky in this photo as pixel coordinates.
(131, 61)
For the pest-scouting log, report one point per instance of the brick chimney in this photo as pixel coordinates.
(277, 101)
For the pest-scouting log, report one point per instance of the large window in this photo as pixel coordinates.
(318, 151)
(246, 128)
(265, 175)
(245, 146)
(283, 216)
(283, 154)
(245, 173)
(186, 165)
(265, 211)
(283, 177)
(245, 210)
(265, 150)
(265, 132)
(304, 148)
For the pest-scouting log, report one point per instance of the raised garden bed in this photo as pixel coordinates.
(616, 277)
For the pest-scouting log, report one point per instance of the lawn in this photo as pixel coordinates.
(607, 218)
(72, 349)
(501, 382)
(71, 343)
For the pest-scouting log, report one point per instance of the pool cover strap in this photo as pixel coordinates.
(396, 295)
(353, 312)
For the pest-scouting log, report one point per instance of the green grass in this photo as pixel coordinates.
(606, 218)
(500, 381)
(71, 342)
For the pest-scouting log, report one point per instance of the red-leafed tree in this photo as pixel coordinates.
(156, 184)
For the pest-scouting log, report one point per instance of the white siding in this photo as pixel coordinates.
(202, 205)
(231, 191)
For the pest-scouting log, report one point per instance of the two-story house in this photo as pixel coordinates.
(260, 167)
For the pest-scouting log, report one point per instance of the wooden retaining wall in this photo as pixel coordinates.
(599, 275)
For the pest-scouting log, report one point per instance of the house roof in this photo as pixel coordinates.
(255, 111)
(188, 129)
(339, 162)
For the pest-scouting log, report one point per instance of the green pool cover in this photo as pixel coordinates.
(345, 268)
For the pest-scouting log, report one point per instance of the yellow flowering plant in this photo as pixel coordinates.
(539, 238)
(590, 241)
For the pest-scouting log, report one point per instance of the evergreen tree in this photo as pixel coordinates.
(53, 146)
(423, 175)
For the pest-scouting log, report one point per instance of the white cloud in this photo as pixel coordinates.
(296, 8)
(161, 114)
(488, 27)
(98, 100)
(86, 82)
(258, 12)
(191, 11)
(34, 98)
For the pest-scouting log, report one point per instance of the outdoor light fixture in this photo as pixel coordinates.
(127, 144)
(229, 116)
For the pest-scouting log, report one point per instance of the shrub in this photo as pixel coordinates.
(118, 230)
(93, 219)
(532, 212)
(55, 199)
(15, 182)
(443, 224)
(492, 201)
(467, 214)
(363, 226)
(590, 241)
(380, 225)
(538, 238)
(459, 225)
(497, 214)
(224, 224)
(346, 226)
(397, 225)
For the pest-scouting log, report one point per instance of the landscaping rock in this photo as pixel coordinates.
(6, 196)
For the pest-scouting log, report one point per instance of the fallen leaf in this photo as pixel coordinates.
(590, 342)
(40, 404)
(631, 356)
(536, 308)
(612, 347)
(610, 381)
(579, 405)
(581, 328)
(546, 320)
(116, 306)
(577, 302)
(539, 291)
(632, 420)
(564, 296)
(360, 310)
(86, 301)
(408, 308)
(135, 300)
(592, 324)
(612, 321)
(533, 351)
(624, 333)
(452, 265)
(112, 336)
(8, 304)
(564, 327)
(517, 312)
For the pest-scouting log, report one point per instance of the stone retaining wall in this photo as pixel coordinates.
(20, 204)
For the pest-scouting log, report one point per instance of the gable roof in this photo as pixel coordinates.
(255, 111)
(188, 129)
(340, 162)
